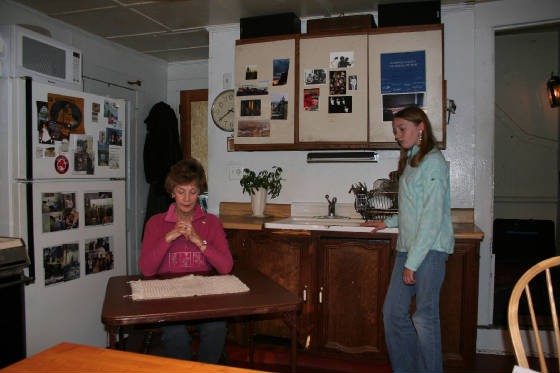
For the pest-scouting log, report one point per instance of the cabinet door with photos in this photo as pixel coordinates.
(406, 68)
(265, 80)
(333, 90)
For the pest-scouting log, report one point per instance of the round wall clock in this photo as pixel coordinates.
(222, 110)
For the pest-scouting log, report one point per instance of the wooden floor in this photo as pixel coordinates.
(275, 358)
(276, 361)
(484, 363)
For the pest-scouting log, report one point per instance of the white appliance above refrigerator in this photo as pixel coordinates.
(24, 52)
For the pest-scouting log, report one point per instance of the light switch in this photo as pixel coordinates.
(226, 80)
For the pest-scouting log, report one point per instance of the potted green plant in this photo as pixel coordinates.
(259, 185)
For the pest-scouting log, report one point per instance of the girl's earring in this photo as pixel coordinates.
(420, 138)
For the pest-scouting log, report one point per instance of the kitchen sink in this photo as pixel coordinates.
(324, 220)
(328, 217)
(336, 223)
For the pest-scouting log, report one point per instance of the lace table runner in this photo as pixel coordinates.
(186, 286)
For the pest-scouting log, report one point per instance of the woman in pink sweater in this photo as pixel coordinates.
(187, 240)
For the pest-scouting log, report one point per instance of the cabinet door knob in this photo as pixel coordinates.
(304, 295)
(320, 295)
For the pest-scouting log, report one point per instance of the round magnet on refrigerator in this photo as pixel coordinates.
(61, 164)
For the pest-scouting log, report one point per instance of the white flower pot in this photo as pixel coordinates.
(258, 202)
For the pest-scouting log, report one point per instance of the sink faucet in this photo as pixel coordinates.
(332, 205)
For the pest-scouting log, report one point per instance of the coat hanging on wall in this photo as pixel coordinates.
(162, 150)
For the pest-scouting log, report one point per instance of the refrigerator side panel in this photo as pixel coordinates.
(12, 138)
(5, 172)
(80, 242)
(76, 134)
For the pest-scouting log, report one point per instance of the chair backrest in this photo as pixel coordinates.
(532, 281)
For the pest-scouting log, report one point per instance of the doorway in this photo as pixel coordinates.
(194, 125)
(526, 160)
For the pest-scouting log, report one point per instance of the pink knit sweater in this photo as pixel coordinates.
(182, 256)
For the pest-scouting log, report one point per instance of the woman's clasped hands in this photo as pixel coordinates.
(183, 228)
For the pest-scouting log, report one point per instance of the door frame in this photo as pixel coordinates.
(186, 98)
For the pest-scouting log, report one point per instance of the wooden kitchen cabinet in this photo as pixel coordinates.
(353, 277)
(459, 305)
(342, 279)
(284, 258)
(342, 283)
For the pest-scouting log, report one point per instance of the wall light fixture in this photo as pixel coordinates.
(553, 88)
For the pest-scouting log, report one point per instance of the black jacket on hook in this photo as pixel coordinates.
(162, 149)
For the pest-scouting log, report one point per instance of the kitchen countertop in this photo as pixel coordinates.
(238, 216)
(245, 222)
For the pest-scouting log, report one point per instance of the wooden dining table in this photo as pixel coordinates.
(70, 357)
(265, 297)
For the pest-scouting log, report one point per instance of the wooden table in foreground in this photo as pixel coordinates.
(265, 297)
(69, 357)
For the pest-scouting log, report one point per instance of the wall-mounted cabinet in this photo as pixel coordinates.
(336, 91)
(333, 89)
(405, 68)
(265, 93)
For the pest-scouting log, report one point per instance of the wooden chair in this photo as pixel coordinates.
(529, 279)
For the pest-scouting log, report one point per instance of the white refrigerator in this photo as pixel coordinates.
(63, 192)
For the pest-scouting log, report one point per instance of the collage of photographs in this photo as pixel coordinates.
(347, 87)
(80, 137)
(337, 79)
(62, 262)
(63, 134)
(59, 213)
(263, 99)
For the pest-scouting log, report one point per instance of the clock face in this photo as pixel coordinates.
(222, 110)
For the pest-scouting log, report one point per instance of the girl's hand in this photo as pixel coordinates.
(375, 224)
(408, 276)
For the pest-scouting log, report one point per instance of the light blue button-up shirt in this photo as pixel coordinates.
(424, 218)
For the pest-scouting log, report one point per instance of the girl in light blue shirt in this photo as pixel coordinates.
(424, 243)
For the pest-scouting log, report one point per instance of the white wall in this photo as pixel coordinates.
(182, 76)
(108, 62)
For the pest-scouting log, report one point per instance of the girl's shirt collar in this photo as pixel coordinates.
(412, 151)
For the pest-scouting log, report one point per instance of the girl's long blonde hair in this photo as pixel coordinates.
(416, 115)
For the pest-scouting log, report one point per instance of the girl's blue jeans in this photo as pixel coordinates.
(414, 341)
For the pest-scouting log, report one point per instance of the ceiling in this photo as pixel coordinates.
(176, 30)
